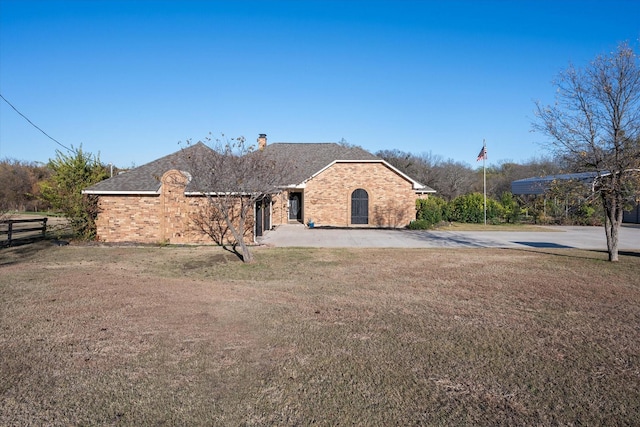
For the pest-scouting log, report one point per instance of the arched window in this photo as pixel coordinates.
(359, 207)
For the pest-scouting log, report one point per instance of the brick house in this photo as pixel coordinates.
(331, 184)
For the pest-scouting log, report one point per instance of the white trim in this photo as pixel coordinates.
(300, 186)
(121, 193)
(218, 193)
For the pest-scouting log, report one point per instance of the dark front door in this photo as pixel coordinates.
(263, 215)
(267, 213)
(295, 207)
(259, 218)
(359, 207)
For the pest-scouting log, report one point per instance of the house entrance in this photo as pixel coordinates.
(359, 207)
(295, 207)
(263, 215)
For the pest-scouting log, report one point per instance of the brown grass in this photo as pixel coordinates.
(192, 336)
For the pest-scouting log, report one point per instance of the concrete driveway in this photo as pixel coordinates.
(298, 235)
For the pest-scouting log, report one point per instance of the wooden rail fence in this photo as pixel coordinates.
(21, 229)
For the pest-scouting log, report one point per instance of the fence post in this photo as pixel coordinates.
(9, 232)
(44, 227)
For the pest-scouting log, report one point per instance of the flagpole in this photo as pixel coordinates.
(484, 176)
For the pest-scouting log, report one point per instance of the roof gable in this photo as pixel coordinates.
(303, 160)
(306, 160)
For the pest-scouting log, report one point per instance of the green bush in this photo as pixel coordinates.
(511, 209)
(70, 174)
(430, 210)
(419, 224)
(470, 208)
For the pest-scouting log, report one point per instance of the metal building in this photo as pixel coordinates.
(540, 185)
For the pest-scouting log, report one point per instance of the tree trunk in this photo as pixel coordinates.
(238, 234)
(613, 210)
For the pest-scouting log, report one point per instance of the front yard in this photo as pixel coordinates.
(95, 335)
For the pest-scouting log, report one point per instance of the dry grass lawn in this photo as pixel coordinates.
(94, 335)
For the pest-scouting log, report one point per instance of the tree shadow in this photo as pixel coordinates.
(233, 250)
(633, 254)
(23, 250)
(569, 252)
(549, 245)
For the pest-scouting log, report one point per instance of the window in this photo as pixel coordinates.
(359, 207)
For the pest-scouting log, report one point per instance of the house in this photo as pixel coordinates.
(332, 184)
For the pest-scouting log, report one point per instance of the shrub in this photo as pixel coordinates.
(430, 210)
(70, 174)
(419, 224)
(470, 208)
(511, 208)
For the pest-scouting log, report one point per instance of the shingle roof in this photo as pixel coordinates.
(146, 178)
(303, 160)
(307, 158)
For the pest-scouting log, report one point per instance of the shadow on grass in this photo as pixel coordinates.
(635, 254)
(549, 245)
(568, 252)
(22, 250)
(234, 250)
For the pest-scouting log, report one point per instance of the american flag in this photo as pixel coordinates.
(483, 154)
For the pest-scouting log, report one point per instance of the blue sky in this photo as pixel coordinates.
(130, 79)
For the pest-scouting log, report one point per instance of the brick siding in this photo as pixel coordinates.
(168, 217)
(326, 198)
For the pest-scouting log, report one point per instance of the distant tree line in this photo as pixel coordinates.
(55, 186)
(451, 178)
(20, 185)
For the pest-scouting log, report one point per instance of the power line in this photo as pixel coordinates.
(34, 125)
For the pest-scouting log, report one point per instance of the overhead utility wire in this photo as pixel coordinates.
(34, 125)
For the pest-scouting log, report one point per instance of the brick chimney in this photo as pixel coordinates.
(262, 141)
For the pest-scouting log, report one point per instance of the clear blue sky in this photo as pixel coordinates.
(130, 79)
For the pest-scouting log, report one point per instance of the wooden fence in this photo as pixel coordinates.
(21, 230)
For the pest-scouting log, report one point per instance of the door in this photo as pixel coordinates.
(263, 215)
(295, 207)
(259, 218)
(267, 213)
(359, 207)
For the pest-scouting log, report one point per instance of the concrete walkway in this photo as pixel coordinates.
(297, 235)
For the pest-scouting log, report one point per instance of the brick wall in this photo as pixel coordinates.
(279, 208)
(129, 218)
(169, 217)
(327, 197)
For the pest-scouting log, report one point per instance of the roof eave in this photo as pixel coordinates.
(121, 192)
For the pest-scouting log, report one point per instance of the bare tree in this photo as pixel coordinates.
(449, 178)
(232, 177)
(20, 185)
(595, 126)
(455, 179)
(500, 176)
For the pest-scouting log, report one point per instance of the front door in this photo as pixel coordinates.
(259, 218)
(295, 207)
(263, 215)
(359, 207)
